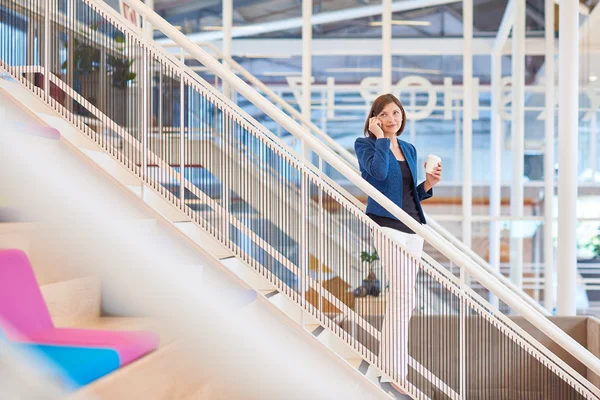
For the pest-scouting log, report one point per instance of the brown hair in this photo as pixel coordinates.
(378, 105)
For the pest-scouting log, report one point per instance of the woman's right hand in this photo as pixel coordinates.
(375, 127)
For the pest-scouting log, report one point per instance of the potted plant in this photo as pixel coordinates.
(594, 246)
(371, 285)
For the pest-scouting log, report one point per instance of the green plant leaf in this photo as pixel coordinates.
(365, 256)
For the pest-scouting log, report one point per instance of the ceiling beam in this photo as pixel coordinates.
(322, 18)
(583, 9)
(372, 47)
(506, 25)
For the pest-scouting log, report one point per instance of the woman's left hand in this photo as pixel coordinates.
(435, 177)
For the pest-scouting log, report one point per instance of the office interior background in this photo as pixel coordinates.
(507, 93)
(426, 61)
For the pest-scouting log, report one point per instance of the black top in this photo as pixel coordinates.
(409, 203)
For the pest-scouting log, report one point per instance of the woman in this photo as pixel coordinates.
(390, 164)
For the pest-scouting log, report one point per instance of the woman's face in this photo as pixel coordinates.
(391, 118)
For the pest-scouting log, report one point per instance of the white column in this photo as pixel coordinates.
(386, 53)
(496, 164)
(227, 29)
(324, 106)
(412, 122)
(48, 6)
(549, 276)
(518, 143)
(467, 191)
(457, 139)
(307, 6)
(568, 129)
(594, 143)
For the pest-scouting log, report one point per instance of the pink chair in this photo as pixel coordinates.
(23, 307)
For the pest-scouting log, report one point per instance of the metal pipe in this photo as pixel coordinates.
(568, 129)
(518, 144)
(467, 126)
(306, 66)
(47, 5)
(496, 166)
(227, 35)
(386, 50)
(182, 135)
(549, 274)
(594, 144)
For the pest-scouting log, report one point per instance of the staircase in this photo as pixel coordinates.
(177, 378)
(76, 302)
(290, 213)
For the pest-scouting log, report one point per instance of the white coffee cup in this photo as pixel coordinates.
(432, 162)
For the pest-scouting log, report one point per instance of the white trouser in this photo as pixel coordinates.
(401, 272)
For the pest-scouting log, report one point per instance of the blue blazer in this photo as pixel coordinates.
(379, 167)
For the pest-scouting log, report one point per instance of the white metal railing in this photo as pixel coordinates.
(443, 246)
(350, 159)
(345, 154)
(259, 245)
(484, 264)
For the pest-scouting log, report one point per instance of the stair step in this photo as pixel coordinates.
(355, 362)
(71, 134)
(269, 293)
(163, 207)
(136, 189)
(73, 301)
(246, 274)
(16, 235)
(202, 239)
(312, 328)
(157, 376)
(335, 344)
(48, 266)
(128, 324)
(287, 306)
(112, 167)
(162, 374)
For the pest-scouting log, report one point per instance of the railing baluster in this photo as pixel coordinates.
(182, 110)
(145, 131)
(47, 9)
(463, 339)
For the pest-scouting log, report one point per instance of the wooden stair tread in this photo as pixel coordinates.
(129, 324)
(166, 373)
(74, 300)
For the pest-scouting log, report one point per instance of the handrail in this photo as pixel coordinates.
(352, 161)
(441, 244)
(440, 230)
(345, 154)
